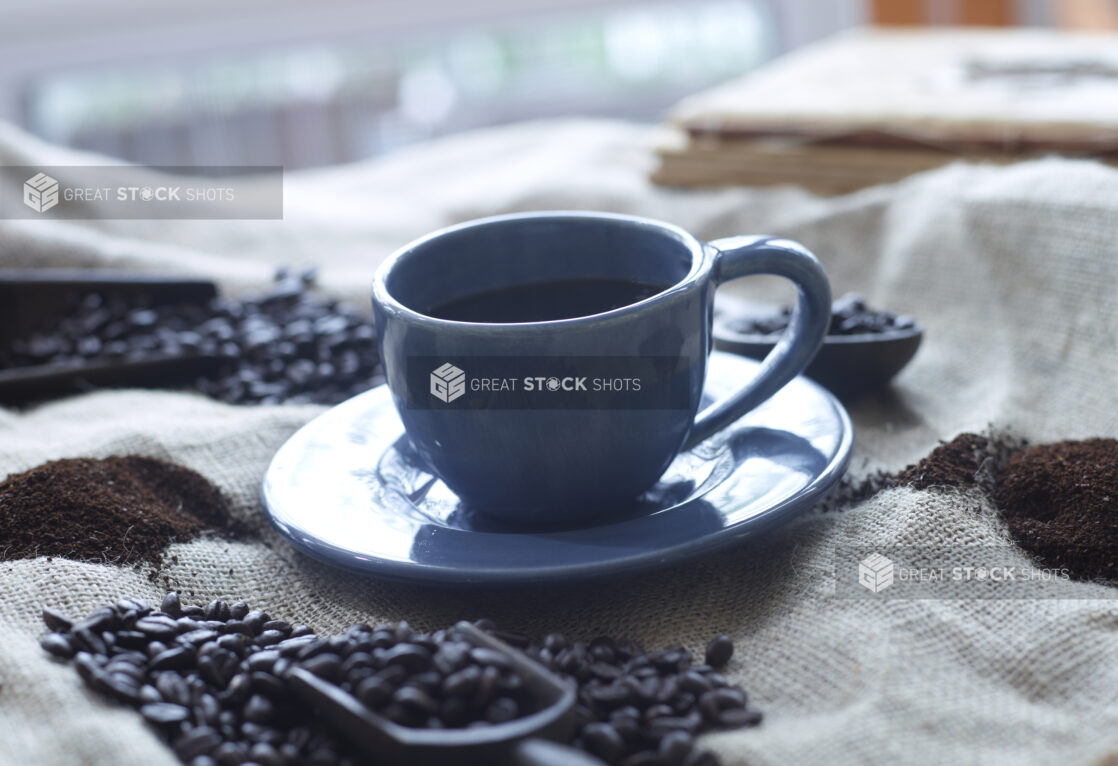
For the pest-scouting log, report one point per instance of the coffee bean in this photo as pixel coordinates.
(269, 637)
(238, 689)
(233, 642)
(642, 758)
(149, 694)
(263, 659)
(255, 619)
(198, 741)
(160, 627)
(729, 698)
(268, 684)
(296, 645)
(173, 688)
(701, 758)
(374, 692)
(605, 671)
(719, 651)
(162, 713)
(89, 641)
(280, 625)
(259, 709)
(734, 718)
(217, 667)
(415, 700)
(236, 627)
(409, 656)
(101, 619)
(217, 610)
(326, 666)
(231, 753)
(694, 682)
(56, 621)
(265, 754)
(132, 639)
(501, 710)
(59, 645)
(171, 605)
(187, 624)
(124, 688)
(491, 657)
(602, 740)
(675, 748)
(463, 683)
(197, 637)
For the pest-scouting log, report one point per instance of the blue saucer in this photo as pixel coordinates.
(348, 489)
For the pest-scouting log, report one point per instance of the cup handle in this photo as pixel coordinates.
(745, 256)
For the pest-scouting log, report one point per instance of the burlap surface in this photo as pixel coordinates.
(1013, 272)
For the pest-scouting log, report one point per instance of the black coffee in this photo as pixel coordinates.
(545, 301)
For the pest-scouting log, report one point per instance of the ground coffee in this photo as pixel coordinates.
(213, 682)
(121, 510)
(1060, 502)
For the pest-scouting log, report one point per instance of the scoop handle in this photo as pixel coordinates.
(543, 752)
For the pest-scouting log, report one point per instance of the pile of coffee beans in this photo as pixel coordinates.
(284, 345)
(433, 681)
(210, 680)
(849, 316)
(213, 682)
(644, 709)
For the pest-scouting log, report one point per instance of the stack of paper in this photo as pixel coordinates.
(873, 106)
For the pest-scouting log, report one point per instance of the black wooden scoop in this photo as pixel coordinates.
(532, 740)
(31, 299)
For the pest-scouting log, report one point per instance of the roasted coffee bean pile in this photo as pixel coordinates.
(284, 345)
(212, 681)
(849, 316)
(644, 709)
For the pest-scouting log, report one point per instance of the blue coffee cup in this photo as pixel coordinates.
(564, 417)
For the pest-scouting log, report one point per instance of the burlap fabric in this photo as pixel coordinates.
(1013, 271)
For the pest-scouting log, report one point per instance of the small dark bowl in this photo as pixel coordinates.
(847, 365)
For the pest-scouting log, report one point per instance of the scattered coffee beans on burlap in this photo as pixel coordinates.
(1060, 502)
(644, 709)
(212, 681)
(121, 510)
(286, 344)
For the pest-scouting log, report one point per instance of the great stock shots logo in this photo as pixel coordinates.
(448, 383)
(40, 192)
(875, 572)
(478, 383)
(195, 192)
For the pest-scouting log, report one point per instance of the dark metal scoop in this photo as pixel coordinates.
(532, 740)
